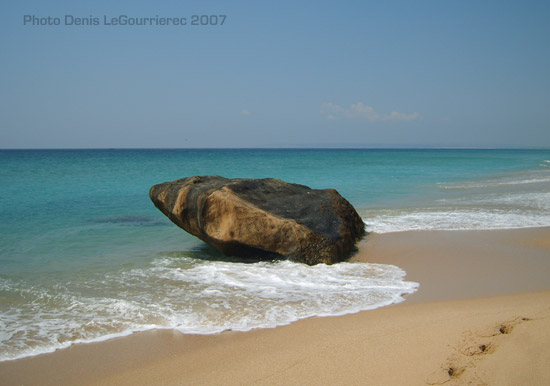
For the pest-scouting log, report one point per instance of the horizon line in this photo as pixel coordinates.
(289, 148)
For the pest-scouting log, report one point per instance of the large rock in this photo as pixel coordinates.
(265, 218)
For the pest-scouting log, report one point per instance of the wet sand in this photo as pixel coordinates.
(481, 317)
(465, 264)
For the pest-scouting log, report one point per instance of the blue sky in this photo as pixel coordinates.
(278, 74)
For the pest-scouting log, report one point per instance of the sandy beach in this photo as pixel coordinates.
(480, 317)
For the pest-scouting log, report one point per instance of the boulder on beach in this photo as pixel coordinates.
(262, 218)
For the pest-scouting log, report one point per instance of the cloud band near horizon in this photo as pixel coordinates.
(360, 111)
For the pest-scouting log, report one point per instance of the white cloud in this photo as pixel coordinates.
(360, 111)
(245, 112)
(397, 116)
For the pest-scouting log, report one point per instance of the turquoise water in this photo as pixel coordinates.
(84, 255)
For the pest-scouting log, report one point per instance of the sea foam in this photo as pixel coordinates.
(192, 296)
(459, 219)
(512, 200)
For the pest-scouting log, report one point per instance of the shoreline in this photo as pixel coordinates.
(468, 280)
(464, 264)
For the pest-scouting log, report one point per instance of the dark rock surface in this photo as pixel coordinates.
(264, 218)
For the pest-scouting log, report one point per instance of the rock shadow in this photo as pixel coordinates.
(248, 256)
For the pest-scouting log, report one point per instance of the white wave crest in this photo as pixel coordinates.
(459, 219)
(495, 183)
(193, 296)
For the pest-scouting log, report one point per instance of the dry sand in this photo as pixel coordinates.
(453, 331)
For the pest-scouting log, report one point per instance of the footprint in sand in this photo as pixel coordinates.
(459, 369)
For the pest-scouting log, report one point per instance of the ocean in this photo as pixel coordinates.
(85, 256)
